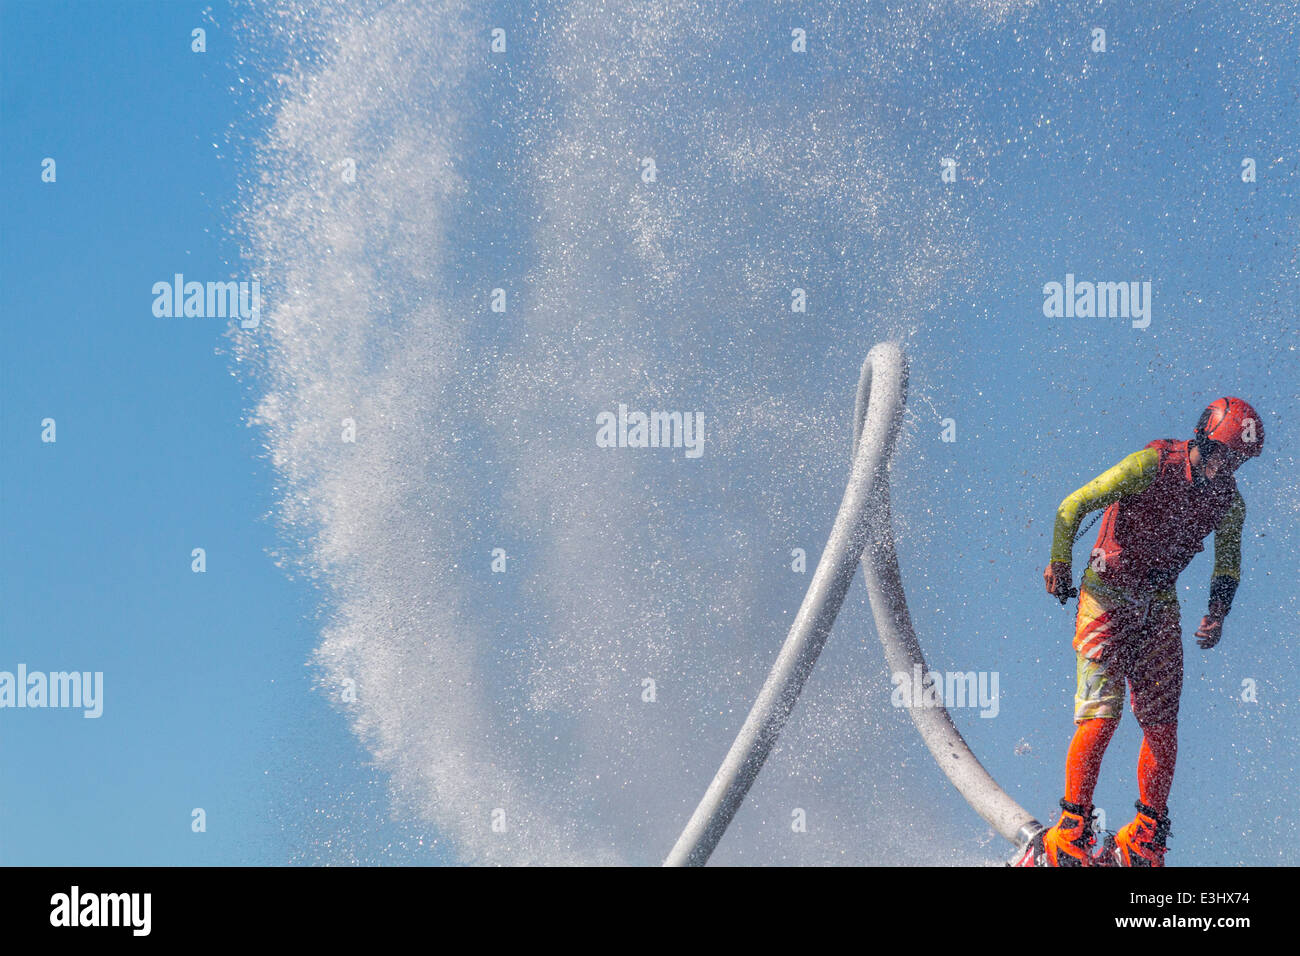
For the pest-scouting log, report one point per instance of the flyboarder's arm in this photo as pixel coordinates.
(1226, 574)
(1227, 558)
(1129, 477)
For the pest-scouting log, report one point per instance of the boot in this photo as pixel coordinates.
(1142, 842)
(1070, 842)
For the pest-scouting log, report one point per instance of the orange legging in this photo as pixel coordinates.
(1155, 761)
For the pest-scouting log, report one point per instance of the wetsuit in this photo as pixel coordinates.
(1127, 627)
(1156, 519)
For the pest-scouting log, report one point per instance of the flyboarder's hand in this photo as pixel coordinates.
(1208, 634)
(1057, 577)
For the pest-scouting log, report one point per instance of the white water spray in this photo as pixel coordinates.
(511, 710)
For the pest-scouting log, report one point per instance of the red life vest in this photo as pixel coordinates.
(1147, 539)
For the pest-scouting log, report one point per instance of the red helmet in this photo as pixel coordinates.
(1233, 423)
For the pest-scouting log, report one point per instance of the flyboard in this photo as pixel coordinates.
(862, 533)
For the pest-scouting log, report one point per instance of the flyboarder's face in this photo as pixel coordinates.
(1220, 460)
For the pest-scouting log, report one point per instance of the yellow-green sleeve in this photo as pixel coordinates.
(1129, 477)
(1227, 541)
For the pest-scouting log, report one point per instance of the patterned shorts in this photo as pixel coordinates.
(1141, 642)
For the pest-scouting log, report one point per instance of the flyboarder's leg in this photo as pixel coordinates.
(1156, 764)
(1101, 661)
(1083, 762)
(1157, 681)
(1069, 843)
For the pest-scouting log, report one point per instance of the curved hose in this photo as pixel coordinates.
(862, 531)
(903, 654)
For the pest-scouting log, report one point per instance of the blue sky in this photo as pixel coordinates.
(207, 700)
(1122, 168)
